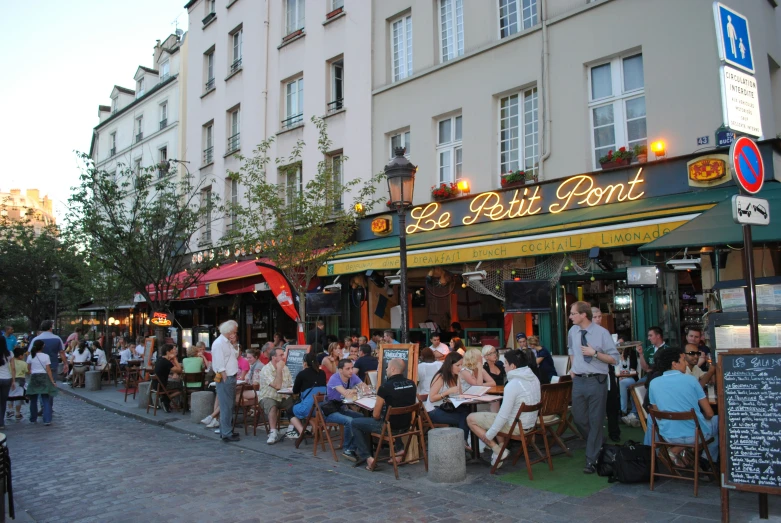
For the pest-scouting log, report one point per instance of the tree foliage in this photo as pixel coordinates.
(139, 225)
(300, 226)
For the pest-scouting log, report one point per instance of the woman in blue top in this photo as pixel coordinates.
(544, 360)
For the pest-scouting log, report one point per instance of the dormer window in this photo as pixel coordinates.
(164, 71)
(114, 105)
(140, 87)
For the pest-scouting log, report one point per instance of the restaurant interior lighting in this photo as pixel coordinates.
(659, 148)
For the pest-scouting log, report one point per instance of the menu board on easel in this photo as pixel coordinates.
(404, 351)
(294, 358)
(149, 346)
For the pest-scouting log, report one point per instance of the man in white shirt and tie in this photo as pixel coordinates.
(225, 363)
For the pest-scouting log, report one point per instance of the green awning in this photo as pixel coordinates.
(716, 226)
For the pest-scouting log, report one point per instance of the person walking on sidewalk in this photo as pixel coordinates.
(41, 383)
(225, 363)
(7, 382)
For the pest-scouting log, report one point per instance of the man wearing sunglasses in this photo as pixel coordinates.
(692, 355)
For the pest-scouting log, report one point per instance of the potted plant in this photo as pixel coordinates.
(531, 177)
(641, 153)
(443, 191)
(619, 158)
(513, 178)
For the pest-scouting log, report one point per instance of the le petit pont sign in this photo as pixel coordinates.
(572, 193)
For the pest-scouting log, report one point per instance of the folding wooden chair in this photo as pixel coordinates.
(193, 378)
(245, 406)
(638, 392)
(387, 435)
(555, 410)
(131, 379)
(109, 372)
(700, 444)
(156, 390)
(309, 421)
(526, 438)
(322, 429)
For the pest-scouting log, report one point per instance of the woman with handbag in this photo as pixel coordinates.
(41, 383)
(443, 385)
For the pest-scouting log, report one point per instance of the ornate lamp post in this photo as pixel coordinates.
(401, 183)
(56, 286)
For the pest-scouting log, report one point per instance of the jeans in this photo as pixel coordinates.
(362, 432)
(226, 396)
(623, 386)
(46, 400)
(5, 391)
(345, 418)
(712, 425)
(454, 419)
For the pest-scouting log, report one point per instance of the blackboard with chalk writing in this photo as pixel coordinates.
(405, 351)
(749, 395)
(295, 358)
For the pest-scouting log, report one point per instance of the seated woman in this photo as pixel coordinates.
(164, 367)
(445, 384)
(310, 381)
(427, 368)
(81, 357)
(492, 366)
(456, 345)
(543, 359)
(100, 354)
(193, 364)
(472, 372)
(330, 362)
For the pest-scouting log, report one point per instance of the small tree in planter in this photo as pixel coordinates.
(513, 178)
(641, 152)
(616, 159)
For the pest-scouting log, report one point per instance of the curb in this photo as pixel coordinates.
(160, 423)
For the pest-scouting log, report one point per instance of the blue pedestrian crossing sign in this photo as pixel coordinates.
(733, 37)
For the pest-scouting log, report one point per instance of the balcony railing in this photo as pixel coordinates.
(293, 121)
(234, 143)
(210, 84)
(112, 151)
(139, 137)
(163, 123)
(236, 65)
(208, 155)
(335, 105)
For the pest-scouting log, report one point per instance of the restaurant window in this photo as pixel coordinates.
(449, 150)
(516, 15)
(401, 46)
(617, 105)
(401, 139)
(451, 28)
(518, 132)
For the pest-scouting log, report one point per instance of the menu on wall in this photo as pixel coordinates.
(751, 387)
(739, 336)
(734, 300)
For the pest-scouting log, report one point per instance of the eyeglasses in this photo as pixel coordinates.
(693, 353)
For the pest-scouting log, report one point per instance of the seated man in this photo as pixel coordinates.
(522, 387)
(692, 354)
(675, 391)
(273, 377)
(440, 349)
(163, 368)
(366, 362)
(125, 355)
(395, 391)
(343, 385)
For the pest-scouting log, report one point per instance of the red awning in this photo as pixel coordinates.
(233, 277)
(232, 271)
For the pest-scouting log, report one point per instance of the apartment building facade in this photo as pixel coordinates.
(145, 126)
(262, 70)
(30, 206)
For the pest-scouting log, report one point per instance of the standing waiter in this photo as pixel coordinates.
(591, 351)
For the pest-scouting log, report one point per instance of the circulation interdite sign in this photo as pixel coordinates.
(747, 162)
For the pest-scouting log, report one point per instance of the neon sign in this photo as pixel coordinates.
(381, 225)
(160, 319)
(577, 191)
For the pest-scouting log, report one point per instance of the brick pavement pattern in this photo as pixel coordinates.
(92, 465)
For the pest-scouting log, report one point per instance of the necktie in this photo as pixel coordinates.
(583, 343)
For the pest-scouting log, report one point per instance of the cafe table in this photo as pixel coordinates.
(492, 395)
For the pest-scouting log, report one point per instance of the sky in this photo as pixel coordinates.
(61, 59)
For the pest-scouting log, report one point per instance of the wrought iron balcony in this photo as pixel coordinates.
(293, 121)
(208, 155)
(210, 84)
(139, 137)
(163, 123)
(233, 143)
(236, 65)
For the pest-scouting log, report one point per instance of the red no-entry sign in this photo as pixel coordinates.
(747, 163)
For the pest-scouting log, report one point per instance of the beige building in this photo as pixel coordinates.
(478, 88)
(16, 206)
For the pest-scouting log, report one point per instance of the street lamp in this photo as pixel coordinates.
(401, 183)
(56, 286)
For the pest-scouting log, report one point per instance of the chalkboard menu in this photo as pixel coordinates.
(405, 351)
(749, 419)
(295, 358)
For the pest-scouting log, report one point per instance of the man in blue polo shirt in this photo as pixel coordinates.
(675, 391)
(52, 346)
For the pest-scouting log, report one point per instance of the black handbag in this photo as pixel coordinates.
(447, 406)
(607, 460)
(633, 463)
(330, 407)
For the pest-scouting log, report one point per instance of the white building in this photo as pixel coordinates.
(249, 65)
(146, 125)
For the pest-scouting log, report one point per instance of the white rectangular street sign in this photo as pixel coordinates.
(740, 102)
(750, 211)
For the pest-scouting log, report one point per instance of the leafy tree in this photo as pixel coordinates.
(138, 226)
(299, 226)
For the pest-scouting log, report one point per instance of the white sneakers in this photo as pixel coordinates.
(208, 419)
(274, 436)
(631, 420)
(494, 457)
(213, 424)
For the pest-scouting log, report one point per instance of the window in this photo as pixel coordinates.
(113, 143)
(449, 149)
(236, 38)
(208, 144)
(337, 87)
(211, 12)
(401, 45)
(336, 4)
(163, 115)
(234, 196)
(139, 129)
(162, 162)
(337, 177)
(140, 87)
(235, 126)
(210, 70)
(400, 140)
(294, 15)
(451, 16)
(294, 103)
(617, 105)
(206, 217)
(136, 172)
(212, 6)
(165, 68)
(518, 132)
(114, 105)
(293, 184)
(516, 15)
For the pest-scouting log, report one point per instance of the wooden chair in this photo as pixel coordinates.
(188, 390)
(526, 438)
(131, 379)
(428, 424)
(555, 407)
(700, 444)
(110, 372)
(322, 429)
(156, 390)
(309, 421)
(561, 363)
(79, 370)
(245, 406)
(568, 421)
(638, 392)
(387, 435)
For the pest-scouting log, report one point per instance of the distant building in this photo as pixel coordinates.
(17, 206)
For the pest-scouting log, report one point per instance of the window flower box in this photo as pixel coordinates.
(513, 179)
(335, 12)
(444, 191)
(612, 160)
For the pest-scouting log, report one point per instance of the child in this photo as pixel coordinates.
(22, 370)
